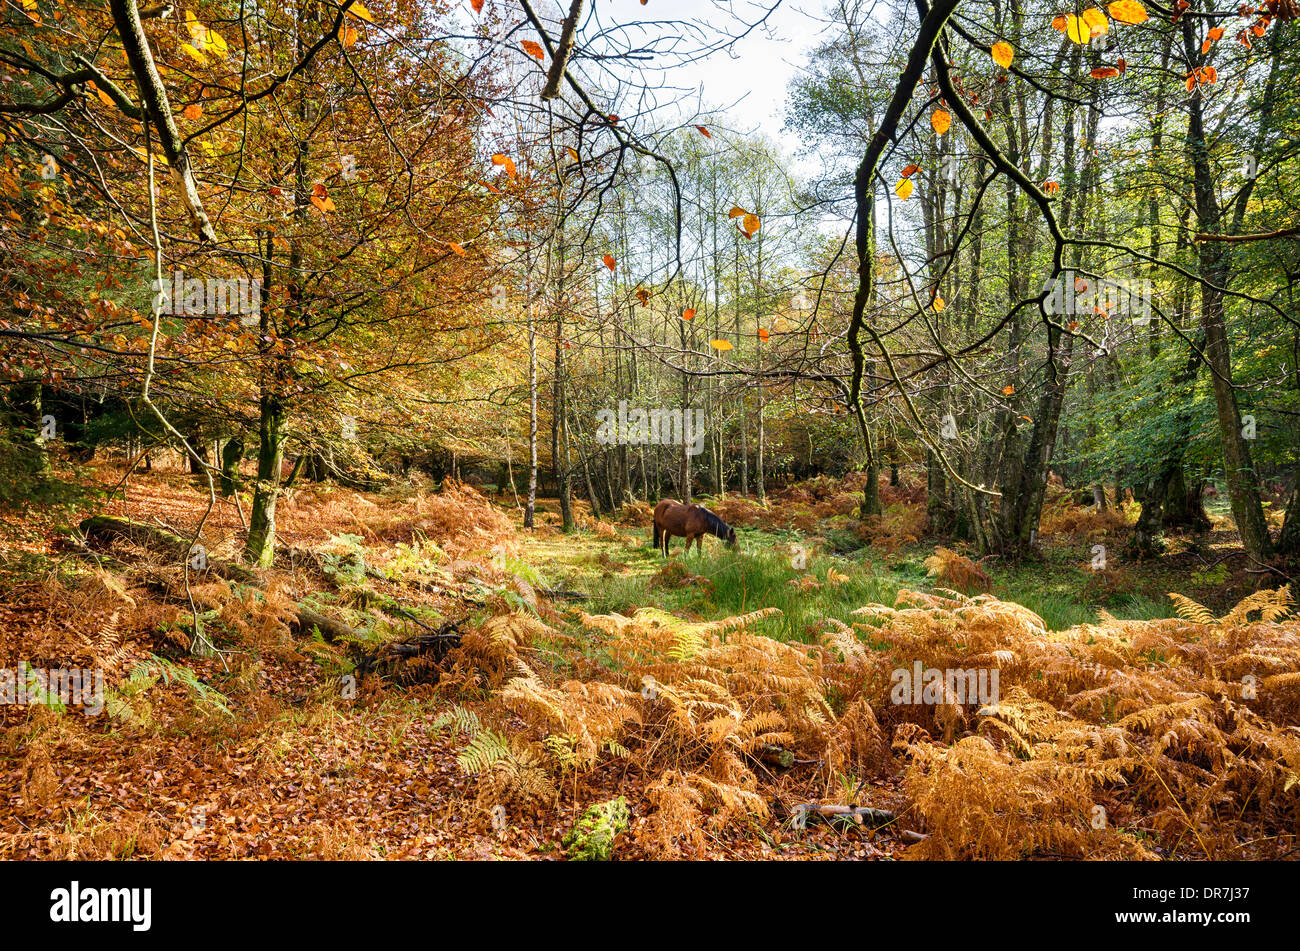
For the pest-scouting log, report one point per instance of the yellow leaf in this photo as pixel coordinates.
(361, 13)
(940, 119)
(751, 223)
(573, 153)
(938, 305)
(1003, 54)
(1096, 20)
(1127, 11)
(194, 54)
(347, 35)
(1077, 29)
(720, 345)
(904, 188)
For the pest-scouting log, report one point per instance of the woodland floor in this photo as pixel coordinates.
(293, 770)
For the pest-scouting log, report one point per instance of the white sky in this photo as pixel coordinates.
(751, 80)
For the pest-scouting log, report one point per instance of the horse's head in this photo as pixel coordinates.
(730, 537)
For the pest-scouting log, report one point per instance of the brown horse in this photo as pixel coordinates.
(692, 522)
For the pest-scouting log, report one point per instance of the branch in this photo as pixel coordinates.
(561, 58)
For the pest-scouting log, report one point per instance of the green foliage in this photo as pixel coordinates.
(592, 837)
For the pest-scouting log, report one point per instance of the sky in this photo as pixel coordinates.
(749, 82)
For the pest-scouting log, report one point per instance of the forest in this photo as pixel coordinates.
(597, 430)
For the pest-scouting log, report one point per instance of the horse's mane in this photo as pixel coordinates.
(716, 525)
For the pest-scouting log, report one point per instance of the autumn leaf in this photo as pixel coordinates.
(751, 223)
(324, 204)
(1127, 11)
(1216, 33)
(911, 170)
(736, 212)
(704, 132)
(490, 187)
(361, 13)
(104, 97)
(1096, 21)
(1002, 54)
(1103, 72)
(643, 296)
(1077, 29)
(347, 35)
(534, 49)
(573, 153)
(505, 162)
(1059, 23)
(456, 248)
(1008, 389)
(688, 313)
(904, 188)
(477, 5)
(763, 334)
(609, 261)
(940, 119)
(193, 112)
(938, 304)
(1052, 188)
(720, 345)
(194, 54)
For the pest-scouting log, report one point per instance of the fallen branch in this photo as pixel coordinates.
(860, 815)
(107, 528)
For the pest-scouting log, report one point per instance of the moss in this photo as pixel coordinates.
(592, 838)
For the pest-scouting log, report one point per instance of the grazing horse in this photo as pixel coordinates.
(692, 522)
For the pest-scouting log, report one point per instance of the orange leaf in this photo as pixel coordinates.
(763, 334)
(573, 153)
(456, 248)
(704, 132)
(505, 162)
(1096, 20)
(1127, 11)
(1008, 389)
(911, 170)
(490, 187)
(736, 212)
(1104, 72)
(193, 112)
(643, 296)
(534, 49)
(609, 261)
(940, 119)
(347, 35)
(751, 223)
(1002, 54)
(688, 313)
(1059, 23)
(477, 5)
(1216, 33)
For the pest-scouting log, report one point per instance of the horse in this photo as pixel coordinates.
(692, 522)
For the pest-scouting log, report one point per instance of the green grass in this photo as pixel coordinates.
(620, 579)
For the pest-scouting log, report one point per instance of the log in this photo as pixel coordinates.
(330, 629)
(107, 528)
(859, 815)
